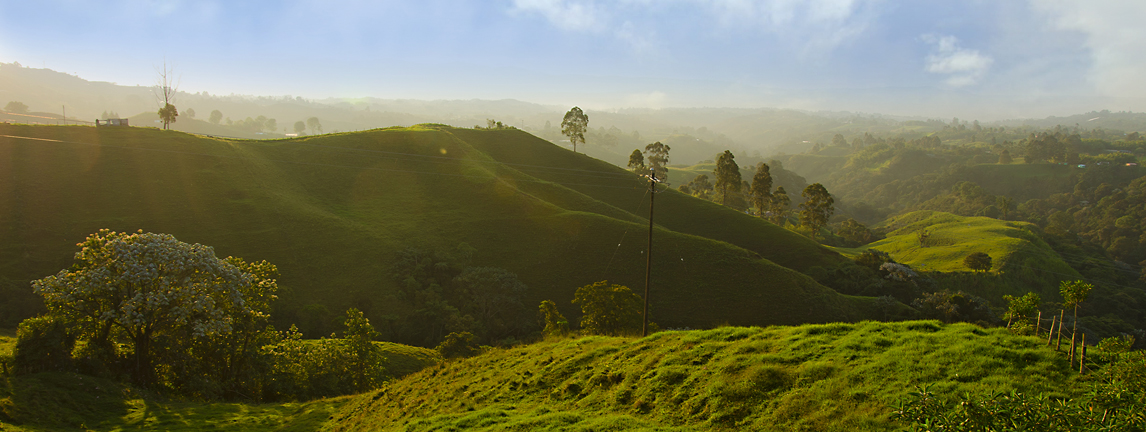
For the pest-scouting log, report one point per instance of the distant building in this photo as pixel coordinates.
(112, 122)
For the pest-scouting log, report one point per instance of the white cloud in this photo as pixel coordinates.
(1114, 34)
(813, 26)
(963, 66)
(565, 14)
(818, 25)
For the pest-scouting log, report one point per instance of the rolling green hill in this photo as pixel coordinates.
(1017, 253)
(831, 377)
(333, 211)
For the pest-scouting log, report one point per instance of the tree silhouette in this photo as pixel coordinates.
(817, 207)
(727, 175)
(761, 191)
(574, 125)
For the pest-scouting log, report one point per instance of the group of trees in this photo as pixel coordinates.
(16, 107)
(446, 294)
(165, 314)
(606, 309)
(658, 157)
(731, 190)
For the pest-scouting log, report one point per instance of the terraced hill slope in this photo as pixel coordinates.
(332, 212)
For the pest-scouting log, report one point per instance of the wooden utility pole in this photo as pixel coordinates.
(649, 253)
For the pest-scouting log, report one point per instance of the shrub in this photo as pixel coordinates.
(978, 261)
(43, 344)
(458, 345)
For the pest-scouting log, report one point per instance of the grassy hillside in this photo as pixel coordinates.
(1017, 253)
(332, 212)
(831, 377)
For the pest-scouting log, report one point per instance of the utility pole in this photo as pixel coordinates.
(649, 254)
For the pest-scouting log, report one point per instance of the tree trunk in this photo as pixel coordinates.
(1073, 334)
(1058, 345)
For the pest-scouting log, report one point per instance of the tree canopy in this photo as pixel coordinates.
(978, 261)
(608, 309)
(727, 173)
(816, 208)
(574, 125)
(658, 155)
(147, 290)
(761, 191)
(16, 107)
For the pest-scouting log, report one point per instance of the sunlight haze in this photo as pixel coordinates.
(987, 60)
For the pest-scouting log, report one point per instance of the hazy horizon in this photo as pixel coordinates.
(983, 60)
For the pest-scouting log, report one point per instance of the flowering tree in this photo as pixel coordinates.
(146, 289)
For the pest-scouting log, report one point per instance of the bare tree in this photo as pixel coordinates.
(165, 90)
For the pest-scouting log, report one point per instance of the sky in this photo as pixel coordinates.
(935, 58)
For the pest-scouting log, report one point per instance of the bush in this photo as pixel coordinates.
(978, 261)
(43, 344)
(458, 345)
(608, 309)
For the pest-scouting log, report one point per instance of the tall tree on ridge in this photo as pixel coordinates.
(761, 191)
(727, 175)
(637, 162)
(817, 207)
(658, 155)
(165, 91)
(574, 125)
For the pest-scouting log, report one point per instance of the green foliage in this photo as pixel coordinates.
(1005, 157)
(978, 261)
(637, 162)
(873, 259)
(698, 187)
(1074, 292)
(314, 124)
(856, 233)
(608, 309)
(43, 344)
(1020, 309)
(955, 306)
(456, 345)
(167, 114)
(555, 323)
(1113, 403)
(812, 377)
(1116, 344)
(761, 191)
(728, 180)
(366, 357)
(16, 107)
(573, 125)
(215, 117)
(338, 230)
(658, 155)
(151, 291)
(448, 295)
(816, 208)
(779, 206)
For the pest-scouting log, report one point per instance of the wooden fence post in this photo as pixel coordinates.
(1082, 354)
(1038, 323)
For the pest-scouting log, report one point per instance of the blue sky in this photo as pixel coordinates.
(942, 58)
